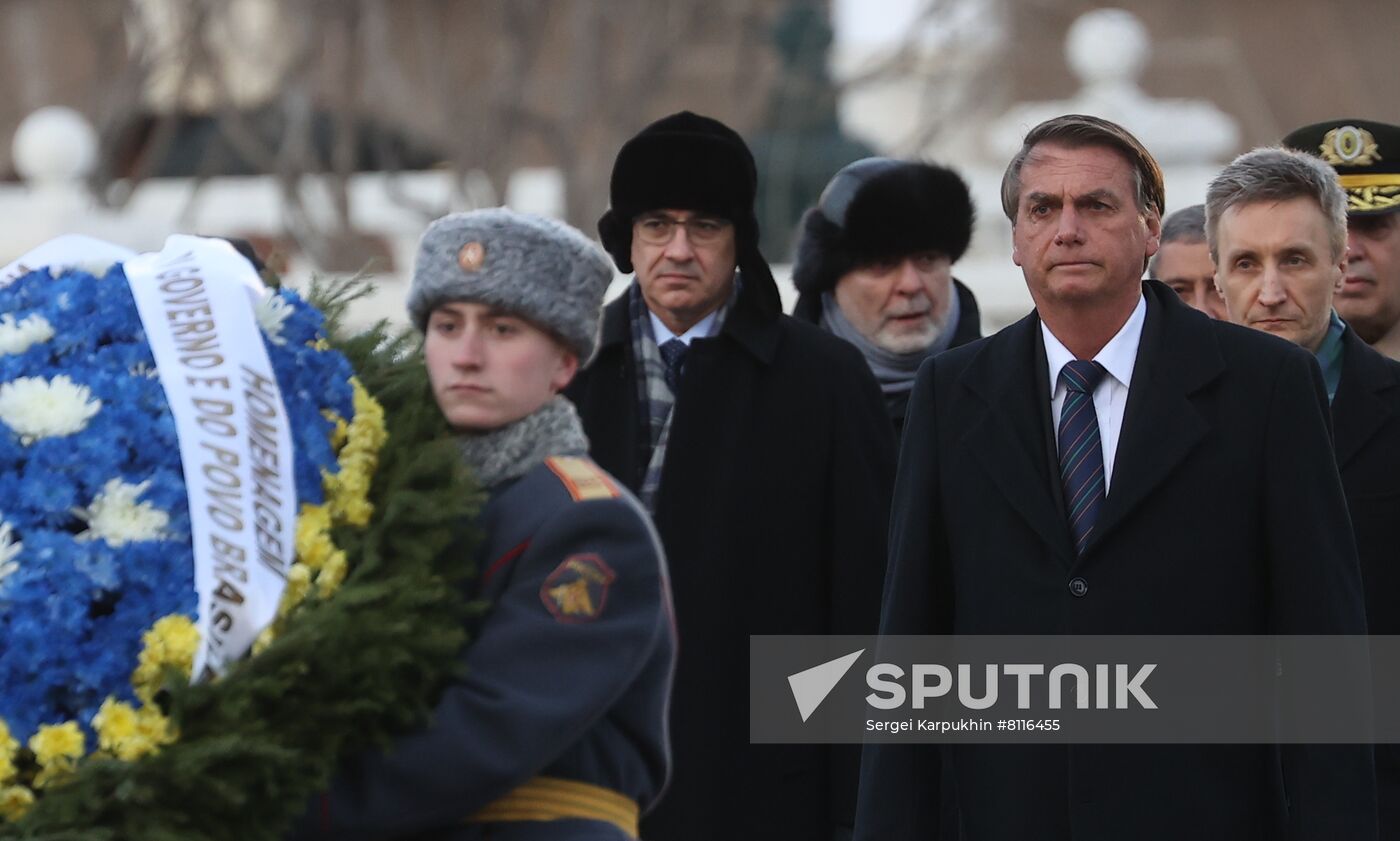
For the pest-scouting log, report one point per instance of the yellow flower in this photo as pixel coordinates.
(172, 641)
(341, 433)
(142, 731)
(153, 728)
(313, 543)
(331, 574)
(358, 512)
(369, 415)
(318, 559)
(55, 742)
(8, 748)
(128, 733)
(57, 747)
(298, 585)
(114, 723)
(14, 802)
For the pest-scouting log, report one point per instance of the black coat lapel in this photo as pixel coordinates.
(1357, 411)
(1011, 438)
(1177, 355)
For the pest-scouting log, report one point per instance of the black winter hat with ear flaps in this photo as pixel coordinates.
(689, 162)
(879, 209)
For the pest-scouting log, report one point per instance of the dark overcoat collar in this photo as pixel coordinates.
(1177, 356)
(1358, 409)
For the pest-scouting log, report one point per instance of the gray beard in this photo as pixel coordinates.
(894, 371)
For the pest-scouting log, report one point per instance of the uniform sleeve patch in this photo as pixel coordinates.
(583, 479)
(577, 590)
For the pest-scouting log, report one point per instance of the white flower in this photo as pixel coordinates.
(116, 517)
(18, 337)
(272, 311)
(9, 548)
(39, 408)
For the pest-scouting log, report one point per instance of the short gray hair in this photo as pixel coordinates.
(1187, 225)
(1275, 174)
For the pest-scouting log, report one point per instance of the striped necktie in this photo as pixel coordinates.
(1081, 452)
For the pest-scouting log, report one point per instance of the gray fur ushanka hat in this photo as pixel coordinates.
(545, 271)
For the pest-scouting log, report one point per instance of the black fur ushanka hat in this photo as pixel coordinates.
(880, 209)
(683, 161)
(690, 162)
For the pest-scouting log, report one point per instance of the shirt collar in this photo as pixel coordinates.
(702, 329)
(1329, 355)
(1118, 357)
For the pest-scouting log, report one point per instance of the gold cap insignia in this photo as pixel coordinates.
(471, 256)
(577, 590)
(1349, 146)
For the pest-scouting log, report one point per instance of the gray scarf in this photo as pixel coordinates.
(516, 448)
(894, 371)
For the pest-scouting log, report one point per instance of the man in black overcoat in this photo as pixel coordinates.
(993, 532)
(1277, 225)
(761, 446)
(874, 266)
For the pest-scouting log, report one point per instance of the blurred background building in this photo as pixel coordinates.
(329, 132)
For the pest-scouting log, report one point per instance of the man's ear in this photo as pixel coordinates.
(564, 373)
(1154, 232)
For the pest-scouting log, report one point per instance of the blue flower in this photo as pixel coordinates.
(73, 611)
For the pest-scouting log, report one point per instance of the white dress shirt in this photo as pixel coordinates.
(702, 329)
(1111, 396)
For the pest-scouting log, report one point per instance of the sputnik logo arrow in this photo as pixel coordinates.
(810, 687)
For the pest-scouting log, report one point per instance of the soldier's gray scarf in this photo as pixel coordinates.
(894, 371)
(654, 396)
(518, 447)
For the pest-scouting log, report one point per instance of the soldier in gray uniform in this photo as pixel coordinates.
(557, 728)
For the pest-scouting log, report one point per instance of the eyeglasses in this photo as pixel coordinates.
(658, 229)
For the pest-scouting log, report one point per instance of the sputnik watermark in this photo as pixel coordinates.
(1113, 686)
(889, 694)
(1117, 689)
(811, 686)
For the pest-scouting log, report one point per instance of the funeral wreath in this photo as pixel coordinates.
(232, 546)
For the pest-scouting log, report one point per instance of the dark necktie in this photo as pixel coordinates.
(673, 354)
(1081, 452)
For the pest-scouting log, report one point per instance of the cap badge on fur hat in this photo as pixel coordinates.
(1349, 145)
(539, 269)
(472, 255)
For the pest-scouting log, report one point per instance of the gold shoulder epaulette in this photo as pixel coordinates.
(582, 478)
